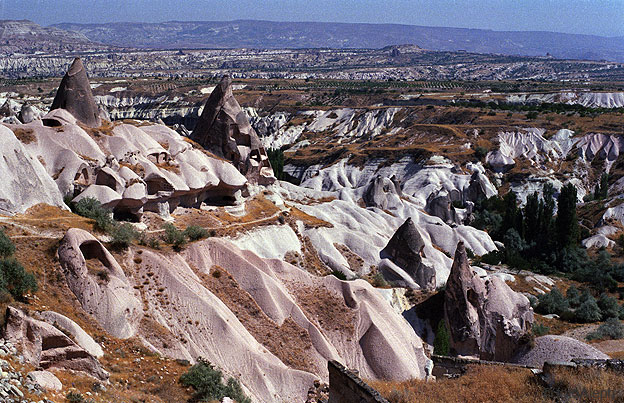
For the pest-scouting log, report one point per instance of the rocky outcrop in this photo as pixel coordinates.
(45, 346)
(45, 380)
(556, 348)
(440, 205)
(378, 191)
(25, 182)
(99, 283)
(405, 249)
(82, 338)
(223, 129)
(183, 316)
(346, 387)
(484, 316)
(75, 96)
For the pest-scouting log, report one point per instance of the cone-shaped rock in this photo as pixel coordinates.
(224, 130)
(485, 317)
(75, 96)
(405, 249)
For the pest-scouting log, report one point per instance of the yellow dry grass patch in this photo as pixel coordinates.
(479, 384)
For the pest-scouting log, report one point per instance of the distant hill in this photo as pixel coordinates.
(268, 34)
(25, 36)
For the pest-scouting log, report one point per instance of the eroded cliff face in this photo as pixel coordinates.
(485, 317)
(273, 324)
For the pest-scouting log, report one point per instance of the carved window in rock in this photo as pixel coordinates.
(82, 177)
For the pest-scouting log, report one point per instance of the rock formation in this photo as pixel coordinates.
(378, 191)
(45, 346)
(223, 129)
(75, 96)
(556, 348)
(405, 250)
(178, 290)
(129, 170)
(440, 205)
(99, 283)
(485, 317)
(24, 179)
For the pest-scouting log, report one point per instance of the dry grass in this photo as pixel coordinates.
(585, 385)
(289, 342)
(479, 384)
(26, 136)
(503, 384)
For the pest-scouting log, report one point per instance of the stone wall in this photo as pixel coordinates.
(347, 387)
(456, 366)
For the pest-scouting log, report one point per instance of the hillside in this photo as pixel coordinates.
(269, 34)
(27, 37)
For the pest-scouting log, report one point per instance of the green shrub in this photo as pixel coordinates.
(539, 330)
(174, 236)
(14, 279)
(195, 232)
(588, 311)
(18, 280)
(611, 329)
(91, 207)
(379, 280)
(609, 307)
(6, 246)
(442, 340)
(480, 152)
(573, 296)
(551, 302)
(207, 382)
(339, 274)
(122, 236)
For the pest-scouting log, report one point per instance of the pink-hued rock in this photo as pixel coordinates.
(45, 346)
(45, 380)
(405, 249)
(74, 95)
(182, 318)
(104, 291)
(485, 317)
(223, 129)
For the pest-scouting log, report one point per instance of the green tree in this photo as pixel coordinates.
(276, 158)
(609, 307)
(573, 296)
(551, 302)
(531, 218)
(6, 246)
(602, 188)
(566, 222)
(588, 311)
(442, 340)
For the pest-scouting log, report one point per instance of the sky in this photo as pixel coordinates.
(595, 17)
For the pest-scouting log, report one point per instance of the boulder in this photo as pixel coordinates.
(45, 346)
(405, 250)
(28, 113)
(556, 349)
(485, 317)
(74, 95)
(81, 337)
(45, 380)
(224, 130)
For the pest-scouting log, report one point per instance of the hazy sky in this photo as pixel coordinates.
(597, 17)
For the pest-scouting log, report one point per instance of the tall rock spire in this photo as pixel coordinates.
(224, 130)
(405, 249)
(75, 96)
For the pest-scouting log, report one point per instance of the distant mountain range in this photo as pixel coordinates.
(269, 34)
(25, 36)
